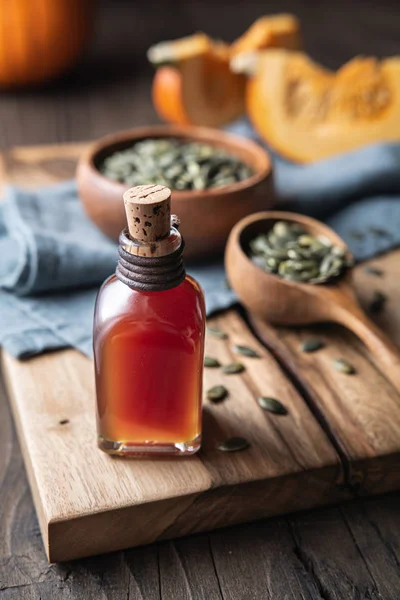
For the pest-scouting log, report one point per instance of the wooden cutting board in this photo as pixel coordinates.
(340, 438)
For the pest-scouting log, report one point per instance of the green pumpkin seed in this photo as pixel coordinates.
(306, 241)
(260, 261)
(233, 444)
(217, 393)
(326, 265)
(245, 351)
(373, 271)
(275, 241)
(272, 263)
(311, 345)
(339, 251)
(282, 229)
(211, 362)
(233, 368)
(259, 244)
(285, 268)
(344, 366)
(218, 333)
(277, 253)
(272, 405)
(377, 303)
(305, 265)
(294, 254)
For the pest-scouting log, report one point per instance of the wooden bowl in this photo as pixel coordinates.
(207, 216)
(270, 297)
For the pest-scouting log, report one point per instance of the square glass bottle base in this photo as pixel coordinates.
(125, 448)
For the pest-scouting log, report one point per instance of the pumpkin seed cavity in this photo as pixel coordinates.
(272, 405)
(288, 251)
(358, 93)
(233, 444)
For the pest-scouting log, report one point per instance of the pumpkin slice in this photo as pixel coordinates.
(274, 31)
(308, 113)
(197, 85)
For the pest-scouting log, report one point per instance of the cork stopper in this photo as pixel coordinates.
(148, 212)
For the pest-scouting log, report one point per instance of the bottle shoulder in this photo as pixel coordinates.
(116, 299)
(194, 284)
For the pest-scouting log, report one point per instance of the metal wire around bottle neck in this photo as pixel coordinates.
(150, 274)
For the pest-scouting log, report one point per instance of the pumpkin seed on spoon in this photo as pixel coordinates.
(288, 251)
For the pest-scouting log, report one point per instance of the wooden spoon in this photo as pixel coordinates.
(283, 302)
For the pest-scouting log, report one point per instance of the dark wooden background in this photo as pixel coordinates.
(348, 552)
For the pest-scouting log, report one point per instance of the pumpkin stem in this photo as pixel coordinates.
(172, 52)
(245, 63)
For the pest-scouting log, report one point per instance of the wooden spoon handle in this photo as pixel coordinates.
(380, 345)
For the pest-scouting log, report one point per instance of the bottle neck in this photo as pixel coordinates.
(152, 267)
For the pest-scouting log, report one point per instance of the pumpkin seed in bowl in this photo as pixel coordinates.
(175, 164)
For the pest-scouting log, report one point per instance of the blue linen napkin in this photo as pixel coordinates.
(52, 258)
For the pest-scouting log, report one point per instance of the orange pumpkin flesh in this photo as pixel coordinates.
(199, 88)
(167, 96)
(211, 94)
(276, 31)
(308, 113)
(39, 39)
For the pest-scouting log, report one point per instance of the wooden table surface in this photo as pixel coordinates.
(351, 551)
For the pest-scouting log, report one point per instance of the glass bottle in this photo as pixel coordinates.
(149, 337)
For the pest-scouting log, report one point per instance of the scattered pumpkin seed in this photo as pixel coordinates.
(272, 405)
(344, 366)
(245, 351)
(217, 393)
(233, 444)
(211, 362)
(377, 303)
(311, 344)
(373, 271)
(233, 368)
(215, 332)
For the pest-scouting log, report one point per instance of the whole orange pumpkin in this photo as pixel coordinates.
(40, 39)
